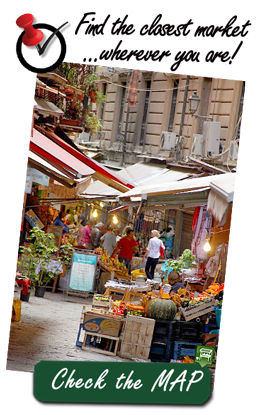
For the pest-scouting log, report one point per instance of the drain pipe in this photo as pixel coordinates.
(184, 104)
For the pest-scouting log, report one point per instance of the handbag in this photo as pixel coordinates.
(161, 251)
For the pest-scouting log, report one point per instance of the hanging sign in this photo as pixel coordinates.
(33, 219)
(38, 177)
(83, 272)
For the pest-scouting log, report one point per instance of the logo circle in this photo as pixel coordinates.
(50, 55)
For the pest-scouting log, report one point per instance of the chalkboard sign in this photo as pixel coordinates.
(83, 272)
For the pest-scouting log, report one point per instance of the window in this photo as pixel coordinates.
(173, 104)
(121, 111)
(103, 103)
(146, 102)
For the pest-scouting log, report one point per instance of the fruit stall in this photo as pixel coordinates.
(149, 321)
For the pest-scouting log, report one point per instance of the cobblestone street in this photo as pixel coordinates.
(48, 330)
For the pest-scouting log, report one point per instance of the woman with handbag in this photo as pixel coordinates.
(153, 253)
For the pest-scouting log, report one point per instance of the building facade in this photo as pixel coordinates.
(162, 106)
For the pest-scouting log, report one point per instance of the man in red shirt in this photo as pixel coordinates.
(127, 246)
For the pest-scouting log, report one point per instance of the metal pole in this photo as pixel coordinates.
(184, 105)
(125, 137)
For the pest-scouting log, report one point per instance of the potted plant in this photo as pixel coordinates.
(65, 255)
(36, 259)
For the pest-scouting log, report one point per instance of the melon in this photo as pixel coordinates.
(160, 309)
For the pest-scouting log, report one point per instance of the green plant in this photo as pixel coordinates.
(84, 78)
(65, 253)
(183, 262)
(36, 256)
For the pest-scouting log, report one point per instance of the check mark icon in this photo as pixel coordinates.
(41, 49)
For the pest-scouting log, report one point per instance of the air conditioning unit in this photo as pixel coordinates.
(196, 148)
(84, 138)
(235, 153)
(168, 140)
(211, 138)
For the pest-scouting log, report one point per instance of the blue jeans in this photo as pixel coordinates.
(150, 267)
(127, 263)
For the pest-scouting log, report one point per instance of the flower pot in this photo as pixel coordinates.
(40, 291)
(92, 94)
(25, 297)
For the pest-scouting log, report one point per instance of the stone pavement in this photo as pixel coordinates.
(48, 330)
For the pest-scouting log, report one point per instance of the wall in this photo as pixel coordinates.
(220, 99)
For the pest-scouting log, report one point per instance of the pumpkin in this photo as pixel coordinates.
(160, 309)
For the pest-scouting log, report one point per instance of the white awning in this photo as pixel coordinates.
(221, 195)
(47, 108)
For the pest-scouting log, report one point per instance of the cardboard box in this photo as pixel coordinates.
(102, 324)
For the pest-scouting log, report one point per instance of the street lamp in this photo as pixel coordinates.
(194, 104)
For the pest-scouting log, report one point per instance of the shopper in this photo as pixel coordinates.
(127, 246)
(59, 221)
(96, 234)
(108, 240)
(152, 253)
(85, 234)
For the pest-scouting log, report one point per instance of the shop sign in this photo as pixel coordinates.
(33, 219)
(122, 382)
(83, 272)
(28, 185)
(38, 177)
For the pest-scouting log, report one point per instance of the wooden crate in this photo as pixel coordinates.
(136, 337)
(113, 341)
(99, 303)
(198, 311)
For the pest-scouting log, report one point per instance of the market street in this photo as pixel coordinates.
(48, 330)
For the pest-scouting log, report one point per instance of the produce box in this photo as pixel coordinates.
(104, 324)
(195, 311)
(136, 337)
(102, 301)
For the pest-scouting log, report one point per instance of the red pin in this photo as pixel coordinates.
(32, 36)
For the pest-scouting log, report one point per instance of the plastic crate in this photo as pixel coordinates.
(182, 349)
(190, 331)
(221, 318)
(162, 341)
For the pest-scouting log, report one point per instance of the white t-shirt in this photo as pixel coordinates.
(153, 248)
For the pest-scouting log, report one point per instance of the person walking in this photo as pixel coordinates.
(108, 240)
(96, 234)
(85, 234)
(152, 253)
(127, 246)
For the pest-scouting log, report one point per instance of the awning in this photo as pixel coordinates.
(138, 173)
(58, 157)
(100, 172)
(47, 108)
(221, 195)
(167, 188)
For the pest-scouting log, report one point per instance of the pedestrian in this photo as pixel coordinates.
(82, 218)
(60, 221)
(127, 246)
(152, 253)
(85, 234)
(68, 217)
(108, 240)
(96, 234)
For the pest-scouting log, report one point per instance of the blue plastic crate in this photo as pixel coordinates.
(78, 342)
(182, 349)
(221, 317)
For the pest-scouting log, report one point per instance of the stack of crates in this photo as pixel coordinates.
(187, 336)
(162, 341)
